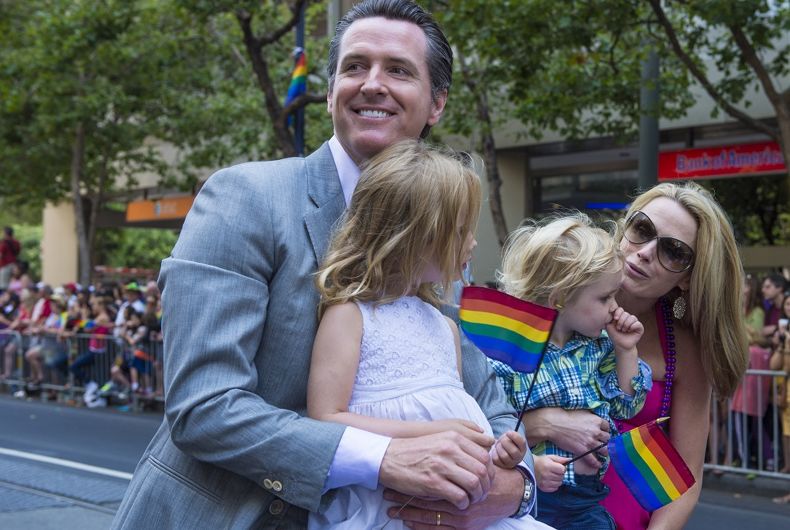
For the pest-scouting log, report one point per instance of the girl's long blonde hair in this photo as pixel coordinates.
(414, 205)
(715, 312)
(547, 261)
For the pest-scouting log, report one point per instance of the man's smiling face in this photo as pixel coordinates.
(382, 89)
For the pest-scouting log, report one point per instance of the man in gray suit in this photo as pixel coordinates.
(239, 318)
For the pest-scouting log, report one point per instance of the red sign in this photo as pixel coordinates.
(721, 161)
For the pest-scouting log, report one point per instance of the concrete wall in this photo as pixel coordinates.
(59, 244)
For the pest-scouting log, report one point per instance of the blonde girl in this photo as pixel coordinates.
(385, 359)
(568, 263)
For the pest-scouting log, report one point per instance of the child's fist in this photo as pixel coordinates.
(625, 330)
(549, 472)
(509, 450)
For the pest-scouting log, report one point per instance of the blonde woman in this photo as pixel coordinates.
(385, 359)
(682, 279)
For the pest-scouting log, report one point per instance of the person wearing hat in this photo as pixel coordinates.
(132, 296)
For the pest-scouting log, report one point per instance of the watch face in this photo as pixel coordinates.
(527, 489)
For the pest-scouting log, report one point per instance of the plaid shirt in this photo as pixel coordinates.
(580, 376)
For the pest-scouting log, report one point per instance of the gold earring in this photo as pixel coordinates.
(679, 307)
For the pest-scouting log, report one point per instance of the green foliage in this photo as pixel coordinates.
(764, 217)
(573, 67)
(29, 236)
(133, 247)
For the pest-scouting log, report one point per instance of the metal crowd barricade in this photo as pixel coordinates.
(12, 368)
(79, 363)
(745, 443)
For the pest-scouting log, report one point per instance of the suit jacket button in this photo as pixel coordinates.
(276, 507)
(277, 486)
(267, 483)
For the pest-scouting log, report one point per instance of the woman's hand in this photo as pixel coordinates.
(575, 431)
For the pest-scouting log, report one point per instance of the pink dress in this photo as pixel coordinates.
(620, 504)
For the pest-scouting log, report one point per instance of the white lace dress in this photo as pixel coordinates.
(407, 371)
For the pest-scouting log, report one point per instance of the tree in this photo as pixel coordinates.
(572, 67)
(746, 41)
(259, 35)
(85, 95)
(763, 219)
(93, 89)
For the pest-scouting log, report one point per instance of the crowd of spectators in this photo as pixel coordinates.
(57, 337)
(752, 430)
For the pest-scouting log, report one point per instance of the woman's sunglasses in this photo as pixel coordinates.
(673, 254)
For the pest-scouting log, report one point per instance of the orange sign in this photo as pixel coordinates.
(168, 208)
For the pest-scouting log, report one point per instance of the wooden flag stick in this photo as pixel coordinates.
(535, 375)
(575, 458)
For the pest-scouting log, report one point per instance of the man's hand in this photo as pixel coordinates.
(446, 466)
(502, 501)
(509, 450)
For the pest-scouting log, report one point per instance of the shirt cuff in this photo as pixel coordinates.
(357, 460)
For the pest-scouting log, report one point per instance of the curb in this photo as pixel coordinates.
(739, 483)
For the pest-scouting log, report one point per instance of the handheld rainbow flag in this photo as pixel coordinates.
(650, 466)
(506, 328)
(298, 84)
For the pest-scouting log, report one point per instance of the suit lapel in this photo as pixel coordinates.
(326, 194)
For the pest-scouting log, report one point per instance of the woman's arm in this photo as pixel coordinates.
(333, 368)
(575, 431)
(688, 428)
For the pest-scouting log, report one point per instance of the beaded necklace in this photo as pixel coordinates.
(669, 357)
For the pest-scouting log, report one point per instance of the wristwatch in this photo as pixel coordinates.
(526, 498)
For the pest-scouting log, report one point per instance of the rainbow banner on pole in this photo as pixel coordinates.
(298, 84)
(650, 466)
(506, 328)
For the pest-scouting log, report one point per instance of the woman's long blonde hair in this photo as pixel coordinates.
(414, 205)
(715, 312)
(547, 261)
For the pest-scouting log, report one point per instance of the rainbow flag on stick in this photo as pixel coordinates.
(506, 328)
(650, 466)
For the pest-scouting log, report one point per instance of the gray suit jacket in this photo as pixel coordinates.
(235, 449)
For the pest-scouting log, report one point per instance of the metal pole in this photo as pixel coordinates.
(648, 122)
(299, 117)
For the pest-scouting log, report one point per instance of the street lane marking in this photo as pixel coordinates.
(66, 463)
(62, 498)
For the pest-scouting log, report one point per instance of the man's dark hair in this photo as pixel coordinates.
(777, 279)
(439, 54)
(8, 231)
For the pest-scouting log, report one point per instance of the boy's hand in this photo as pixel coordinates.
(509, 450)
(625, 330)
(549, 472)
